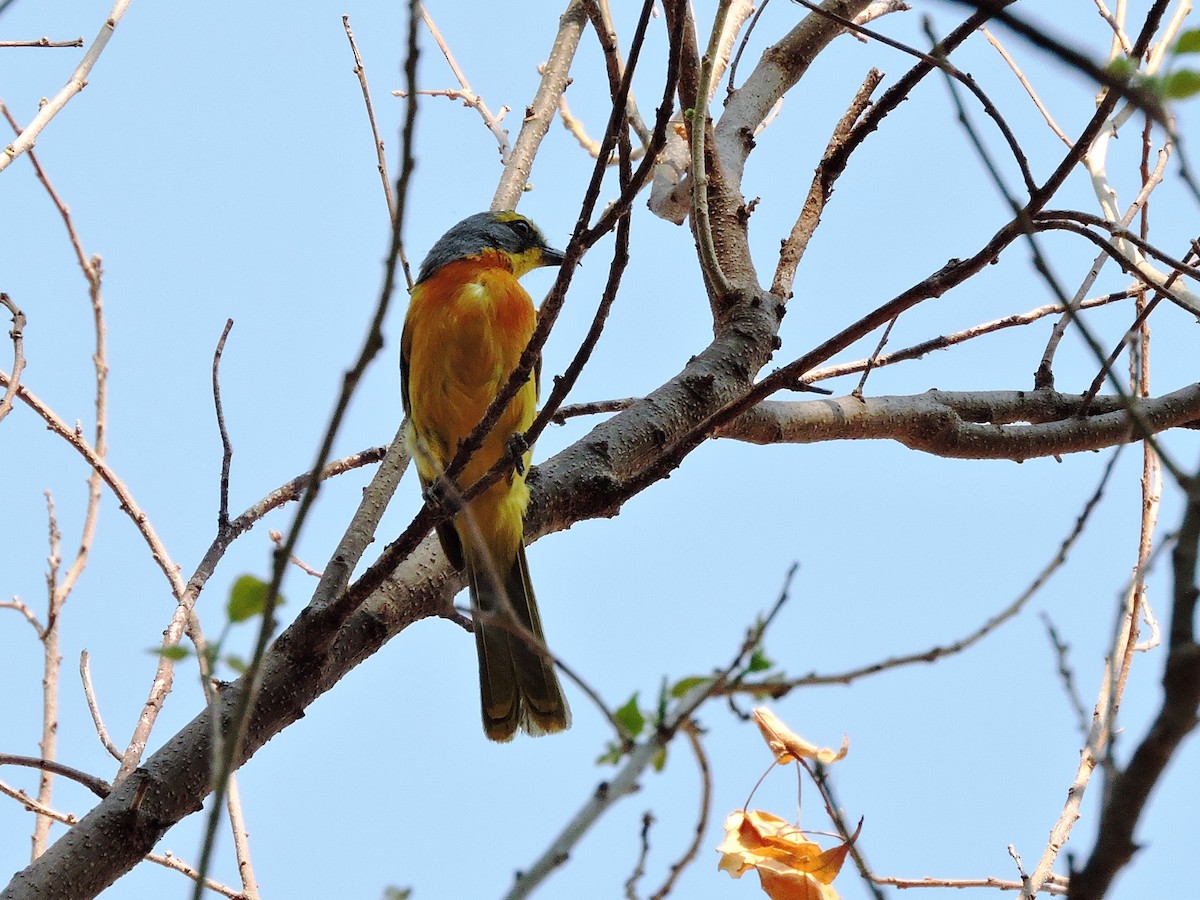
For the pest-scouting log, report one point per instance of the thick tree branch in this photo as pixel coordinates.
(1015, 425)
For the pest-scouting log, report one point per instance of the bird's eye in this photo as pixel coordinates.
(521, 228)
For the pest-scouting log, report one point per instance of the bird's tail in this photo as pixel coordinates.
(517, 683)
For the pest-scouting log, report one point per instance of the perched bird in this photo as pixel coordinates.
(468, 322)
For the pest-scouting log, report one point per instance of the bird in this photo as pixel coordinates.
(468, 323)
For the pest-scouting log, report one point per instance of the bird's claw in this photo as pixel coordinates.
(517, 448)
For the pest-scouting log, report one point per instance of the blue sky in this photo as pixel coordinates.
(220, 162)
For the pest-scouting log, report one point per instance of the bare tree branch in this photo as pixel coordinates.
(74, 85)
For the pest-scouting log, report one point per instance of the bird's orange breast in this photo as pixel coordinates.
(466, 329)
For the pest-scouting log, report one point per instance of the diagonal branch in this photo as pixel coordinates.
(79, 78)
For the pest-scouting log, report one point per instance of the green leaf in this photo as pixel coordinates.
(759, 662)
(631, 717)
(1189, 42)
(395, 893)
(683, 685)
(248, 598)
(175, 652)
(660, 760)
(1122, 67)
(236, 663)
(610, 757)
(1181, 84)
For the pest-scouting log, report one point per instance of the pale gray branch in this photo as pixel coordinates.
(1015, 425)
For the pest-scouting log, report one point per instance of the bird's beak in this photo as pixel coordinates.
(552, 257)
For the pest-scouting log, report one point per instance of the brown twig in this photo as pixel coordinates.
(380, 153)
(1016, 70)
(16, 603)
(226, 445)
(871, 361)
(226, 761)
(1130, 790)
(779, 688)
(34, 807)
(691, 731)
(430, 514)
(277, 539)
(97, 786)
(821, 189)
(639, 868)
(170, 861)
(820, 776)
(464, 93)
(1055, 886)
(954, 338)
(600, 16)
(1066, 674)
(642, 755)
(936, 58)
(1045, 371)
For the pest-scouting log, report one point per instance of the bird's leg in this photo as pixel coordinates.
(517, 448)
(442, 496)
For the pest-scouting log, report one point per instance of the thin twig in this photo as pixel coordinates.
(465, 93)
(42, 42)
(97, 786)
(51, 667)
(1120, 38)
(1056, 887)
(1066, 674)
(821, 188)
(871, 361)
(780, 688)
(700, 126)
(593, 408)
(639, 868)
(820, 776)
(555, 72)
(1127, 795)
(16, 603)
(643, 754)
(226, 762)
(954, 338)
(1016, 70)
(226, 445)
(89, 692)
(241, 839)
(380, 153)
(276, 538)
(34, 807)
(691, 731)
(170, 861)
(17, 335)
